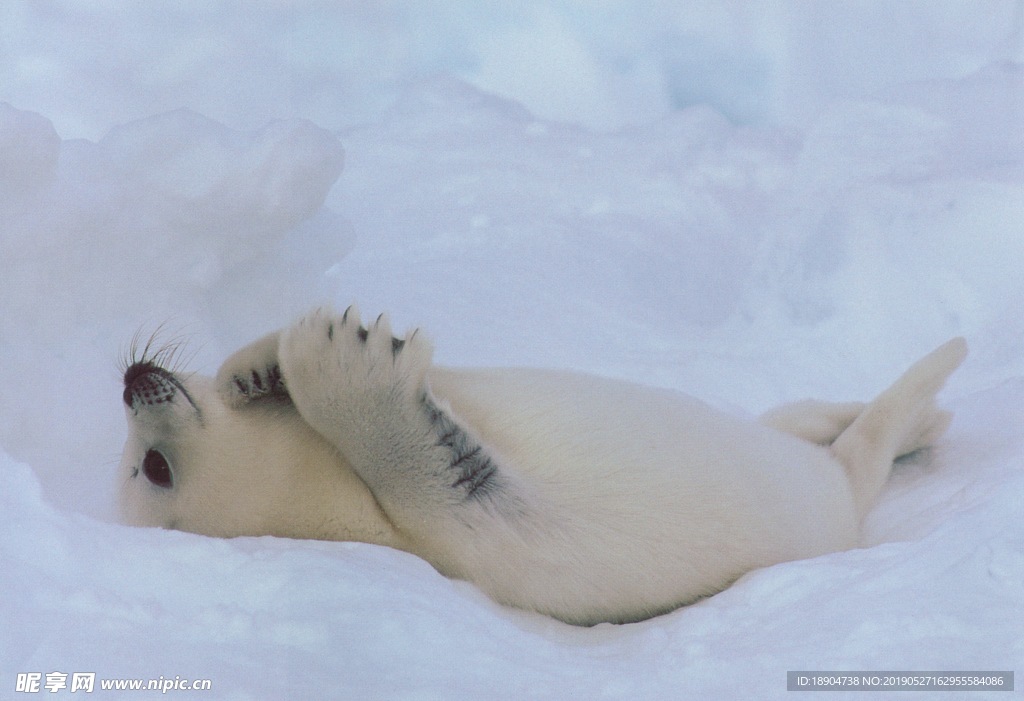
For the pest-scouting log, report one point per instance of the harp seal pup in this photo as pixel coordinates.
(584, 498)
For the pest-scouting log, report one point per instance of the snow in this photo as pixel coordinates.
(752, 203)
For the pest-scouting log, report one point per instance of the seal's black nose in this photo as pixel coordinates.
(148, 383)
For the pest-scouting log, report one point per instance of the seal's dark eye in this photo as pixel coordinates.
(156, 469)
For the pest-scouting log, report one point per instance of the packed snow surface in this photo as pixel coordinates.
(752, 203)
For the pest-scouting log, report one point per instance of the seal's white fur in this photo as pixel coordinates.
(585, 498)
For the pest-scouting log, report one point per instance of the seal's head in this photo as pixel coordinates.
(193, 463)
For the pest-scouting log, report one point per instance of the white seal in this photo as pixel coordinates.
(584, 498)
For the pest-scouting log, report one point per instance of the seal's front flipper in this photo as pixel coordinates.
(366, 392)
(252, 373)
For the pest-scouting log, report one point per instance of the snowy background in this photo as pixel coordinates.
(751, 202)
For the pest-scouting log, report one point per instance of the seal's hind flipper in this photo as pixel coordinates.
(897, 420)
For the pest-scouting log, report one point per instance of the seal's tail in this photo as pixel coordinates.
(813, 420)
(900, 420)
